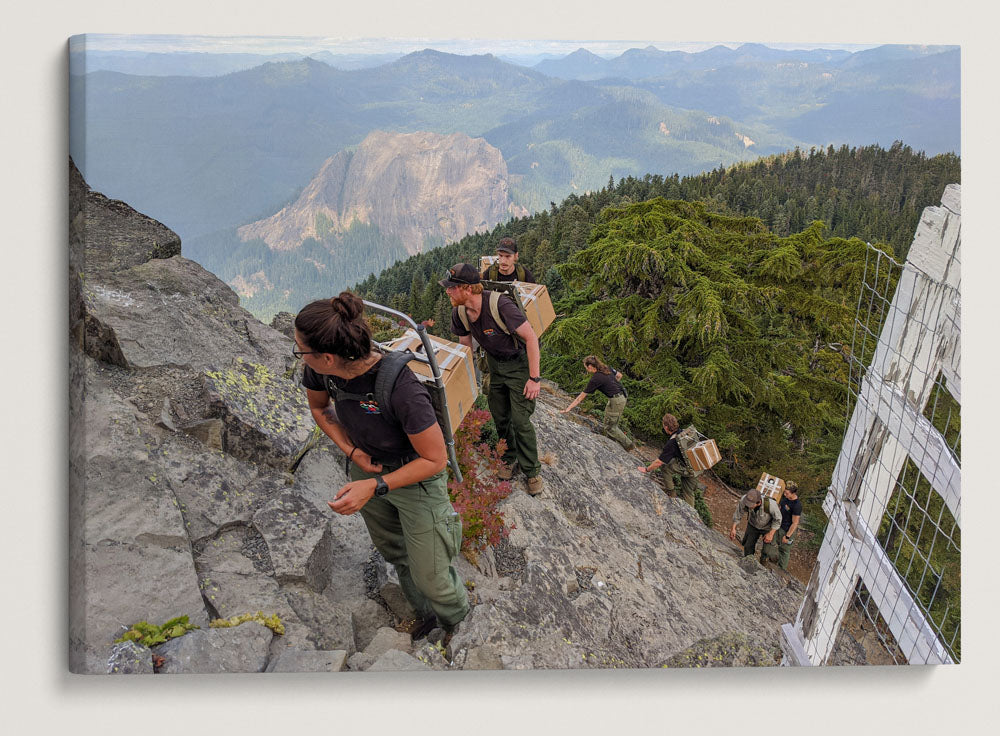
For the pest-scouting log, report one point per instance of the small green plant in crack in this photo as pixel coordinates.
(149, 635)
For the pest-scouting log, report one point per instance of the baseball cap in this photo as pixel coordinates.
(753, 497)
(507, 245)
(461, 274)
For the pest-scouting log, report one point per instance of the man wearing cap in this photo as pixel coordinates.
(506, 267)
(779, 550)
(763, 520)
(513, 357)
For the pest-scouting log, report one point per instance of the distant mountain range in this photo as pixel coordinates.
(207, 154)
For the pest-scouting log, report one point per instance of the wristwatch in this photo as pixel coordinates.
(536, 379)
(381, 487)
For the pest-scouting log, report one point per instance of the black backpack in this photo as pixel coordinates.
(389, 368)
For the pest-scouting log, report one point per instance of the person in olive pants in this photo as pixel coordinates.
(416, 529)
(512, 412)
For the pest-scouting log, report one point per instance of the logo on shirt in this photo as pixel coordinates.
(489, 332)
(370, 406)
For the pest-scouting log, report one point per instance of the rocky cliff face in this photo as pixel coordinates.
(198, 488)
(409, 185)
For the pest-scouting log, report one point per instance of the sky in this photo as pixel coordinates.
(497, 47)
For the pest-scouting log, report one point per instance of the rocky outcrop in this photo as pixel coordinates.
(409, 185)
(198, 489)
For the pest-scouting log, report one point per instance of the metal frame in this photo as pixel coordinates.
(429, 358)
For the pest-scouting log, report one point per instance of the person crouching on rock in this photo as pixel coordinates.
(397, 468)
(608, 382)
(675, 462)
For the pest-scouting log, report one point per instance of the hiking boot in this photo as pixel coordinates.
(534, 484)
(506, 472)
(418, 627)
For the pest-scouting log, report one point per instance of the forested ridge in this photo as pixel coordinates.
(727, 298)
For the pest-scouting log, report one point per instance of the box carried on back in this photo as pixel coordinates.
(533, 298)
(703, 455)
(457, 371)
(485, 262)
(537, 305)
(771, 485)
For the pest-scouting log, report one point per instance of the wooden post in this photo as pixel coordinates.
(920, 341)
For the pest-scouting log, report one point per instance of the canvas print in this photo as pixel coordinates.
(456, 355)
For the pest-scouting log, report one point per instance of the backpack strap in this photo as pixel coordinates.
(390, 367)
(464, 318)
(495, 311)
(494, 271)
(521, 273)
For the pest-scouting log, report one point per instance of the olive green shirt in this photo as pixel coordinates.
(767, 516)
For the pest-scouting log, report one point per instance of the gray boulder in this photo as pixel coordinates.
(293, 660)
(242, 648)
(397, 661)
(129, 658)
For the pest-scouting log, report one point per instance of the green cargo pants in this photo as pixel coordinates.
(417, 530)
(612, 415)
(512, 412)
(688, 484)
(777, 551)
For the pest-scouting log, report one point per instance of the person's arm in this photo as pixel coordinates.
(652, 466)
(531, 389)
(322, 412)
(466, 340)
(793, 527)
(433, 457)
(576, 402)
(772, 507)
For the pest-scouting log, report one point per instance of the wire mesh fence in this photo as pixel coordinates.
(892, 549)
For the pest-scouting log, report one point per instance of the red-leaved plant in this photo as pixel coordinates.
(477, 496)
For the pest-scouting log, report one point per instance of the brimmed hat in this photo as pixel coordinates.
(507, 245)
(461, 274)
(753, 497)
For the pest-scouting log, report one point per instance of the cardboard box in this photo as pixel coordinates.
(485, 262)
(537, 305)
(703, 455)
(771, 485)
(457, 371)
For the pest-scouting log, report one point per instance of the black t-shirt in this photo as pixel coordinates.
(486, 331)
(529, 278)
(670, 450)
(366, 425)
(789, 509)
(605, 383)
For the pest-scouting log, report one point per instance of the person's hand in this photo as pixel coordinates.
(364, 461)
(565, 411)
(732, 532)
(531, 389)
(768, 537)
(642, 469)
(353, 496)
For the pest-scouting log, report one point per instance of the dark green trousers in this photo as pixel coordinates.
(416, 529)
(750, 537)
(778, 551)
(512, 412)
(688, 484)
(612, 415)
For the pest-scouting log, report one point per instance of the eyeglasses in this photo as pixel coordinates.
(300, 353)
